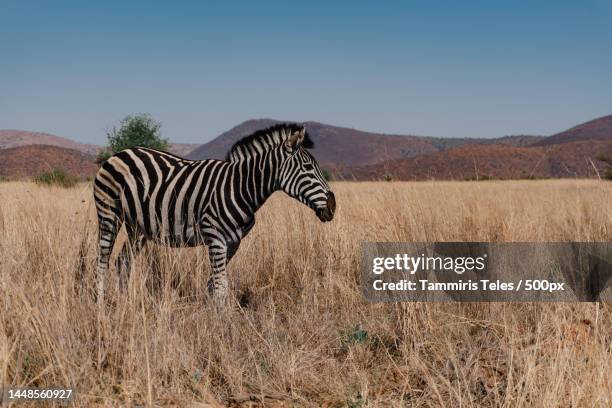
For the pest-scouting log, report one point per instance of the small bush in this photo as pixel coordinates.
(56, 177)
(353, 336)
(103, 155)
(608, 174)
(3, 179)
(327, 175)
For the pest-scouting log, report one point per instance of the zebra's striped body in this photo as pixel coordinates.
(178, 202)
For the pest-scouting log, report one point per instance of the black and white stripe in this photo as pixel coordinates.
(173, 201)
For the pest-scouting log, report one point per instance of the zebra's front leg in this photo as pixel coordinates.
(217, 282)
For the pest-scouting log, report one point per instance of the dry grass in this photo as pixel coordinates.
(305, 337)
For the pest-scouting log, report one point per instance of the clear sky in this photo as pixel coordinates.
(440, 68)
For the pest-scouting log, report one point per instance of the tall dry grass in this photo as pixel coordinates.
(303, 335)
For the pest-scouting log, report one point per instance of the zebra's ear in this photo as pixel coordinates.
(295, 139)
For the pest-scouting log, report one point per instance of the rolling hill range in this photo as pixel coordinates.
(25, 154)
(596, 129)
(359, 155)
(572, 153)
(17, 138)
(495, 161)
(340, 147)
(32, 160)
(334, 145)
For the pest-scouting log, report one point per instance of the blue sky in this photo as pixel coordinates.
(439, 68)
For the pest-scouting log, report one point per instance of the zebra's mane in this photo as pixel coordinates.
(273, 135)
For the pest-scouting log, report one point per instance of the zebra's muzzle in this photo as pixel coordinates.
(327, 213)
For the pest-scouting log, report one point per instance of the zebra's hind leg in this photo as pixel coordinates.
(108, 227)
(131, 248)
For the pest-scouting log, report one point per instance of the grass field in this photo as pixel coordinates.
(304, 336)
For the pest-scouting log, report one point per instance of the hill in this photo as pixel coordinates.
(341, 146)
(16, 138)
(356, 154)
(182, 149)
(445, 143)
(333, 145)
(496, 161)
(220, 145)
(29, 161)
(596, 129)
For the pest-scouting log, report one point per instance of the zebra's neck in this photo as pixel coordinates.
(257, 179)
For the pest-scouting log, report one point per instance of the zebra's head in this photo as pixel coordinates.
(301, 177)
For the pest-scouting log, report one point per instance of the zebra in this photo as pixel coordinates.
(176, 202)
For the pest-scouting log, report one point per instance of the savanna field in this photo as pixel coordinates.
(300, 333)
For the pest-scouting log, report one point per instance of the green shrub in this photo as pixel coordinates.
(353, 336)
(136, 130)
(56, 177)
(103, 155)
(608, 174)
(133, 130)
(327, 175)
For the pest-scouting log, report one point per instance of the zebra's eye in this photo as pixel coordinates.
(308, 167)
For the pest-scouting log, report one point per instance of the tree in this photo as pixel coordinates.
(134, 130)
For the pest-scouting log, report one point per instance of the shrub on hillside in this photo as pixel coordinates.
(134, 130)
(56, 177)
(327, 175)
(103, 155)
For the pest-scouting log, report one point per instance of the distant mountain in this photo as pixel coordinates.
(16, 138)
(360, 155)
(493, 161)
(596, 129)
(219, 146)
(333, 145)
(339, 146)
(182, 149)
(30, 161)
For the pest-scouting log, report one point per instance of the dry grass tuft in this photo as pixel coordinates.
(304, 337)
